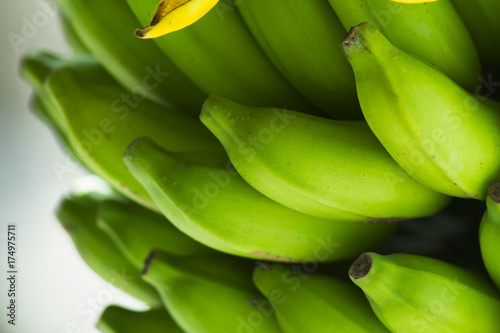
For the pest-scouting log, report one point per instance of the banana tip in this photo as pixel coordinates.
(361, 267)
(350, 38)
(494, 192)
(142, 33)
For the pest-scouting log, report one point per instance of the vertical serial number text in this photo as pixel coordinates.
(11, 274)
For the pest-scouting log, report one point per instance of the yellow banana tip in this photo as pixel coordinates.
(142, 33)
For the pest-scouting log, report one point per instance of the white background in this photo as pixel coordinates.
(53, 282)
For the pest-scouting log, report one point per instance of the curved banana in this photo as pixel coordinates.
(313, 303)
(102, 119)
(175, 15)
(433, 32)
(489, 234)
(78, 214)
(115, 319)
(106, 28)
(306, 51)
(436, 131)
(481, 19)
(411, 293)
(326, 168)
(216, 207)
(220, 55)
(137, 230)
(207, 294)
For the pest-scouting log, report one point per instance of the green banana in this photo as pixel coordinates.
(307, 52)
(115, 319)
(216, 207)
(137, 230)
(481, 19)
(71, 37)
(106, 28)
(313, 303)
(207, 294)
(102, 120)
(326, 168)
(78, 214)
(433, 32)
(410, 293)
(489, 233)
(219, 54)
(436, 131)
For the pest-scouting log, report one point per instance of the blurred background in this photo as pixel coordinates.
(57, 292)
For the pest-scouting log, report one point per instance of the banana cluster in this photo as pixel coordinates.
(245, 152)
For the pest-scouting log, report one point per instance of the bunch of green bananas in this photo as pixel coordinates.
(325, 125)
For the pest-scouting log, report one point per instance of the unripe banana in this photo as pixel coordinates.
(216, 207)
(102, 118)
(313, 303)
(489, 234)
(410, 293)
(481, 19)
(106, 28)
(436, 131)
(207, 294)
(220, 55)
(137, 230)
(326, 168)
(306, 51)
(78, 215)
(433, 32)
(115, 319)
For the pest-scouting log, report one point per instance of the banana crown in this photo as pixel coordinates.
(411, 293)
